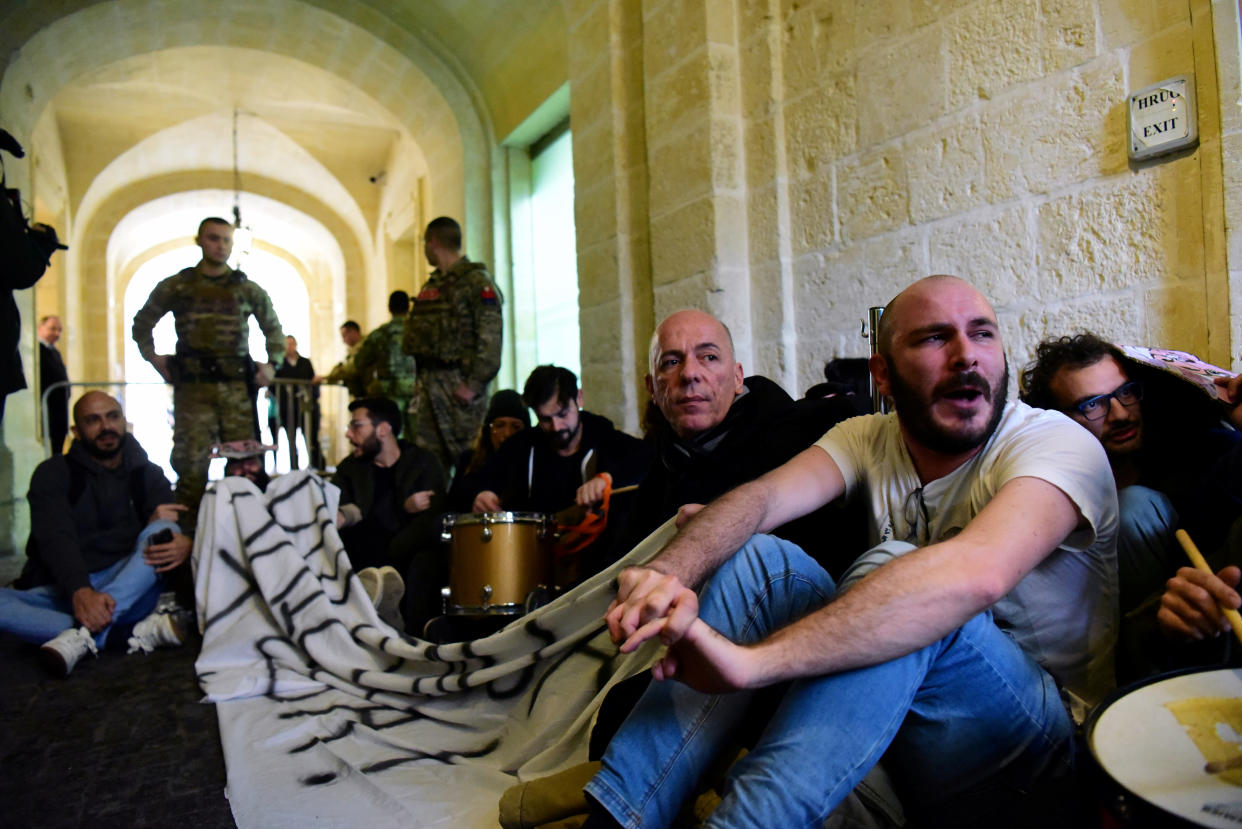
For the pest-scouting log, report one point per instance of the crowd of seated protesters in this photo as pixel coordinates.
(990, 586)
(1172, 463)
(909, 486)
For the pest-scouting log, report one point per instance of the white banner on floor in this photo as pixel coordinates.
(329, 717)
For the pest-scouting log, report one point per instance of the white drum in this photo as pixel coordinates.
(1175, 744)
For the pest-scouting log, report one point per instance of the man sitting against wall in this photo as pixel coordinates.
(103, 534)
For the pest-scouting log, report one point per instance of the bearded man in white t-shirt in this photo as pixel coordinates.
(991, 590)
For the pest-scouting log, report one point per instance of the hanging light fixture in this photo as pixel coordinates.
(243, 236)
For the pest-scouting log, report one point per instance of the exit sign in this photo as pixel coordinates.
(1162, 118)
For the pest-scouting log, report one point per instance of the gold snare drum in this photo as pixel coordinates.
(497, 560)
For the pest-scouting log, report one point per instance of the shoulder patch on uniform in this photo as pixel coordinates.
(488, 295)
(427, 295)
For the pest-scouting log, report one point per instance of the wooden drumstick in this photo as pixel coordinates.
(1217, 766)
(621, 490)
(1196, 558)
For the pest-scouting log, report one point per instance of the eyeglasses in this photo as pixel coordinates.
(918, 521)
(1094, 408)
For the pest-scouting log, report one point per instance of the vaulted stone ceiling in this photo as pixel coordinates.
(514, 54)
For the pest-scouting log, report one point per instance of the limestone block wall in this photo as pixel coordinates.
(805, 160)
(1227, 29)
(611, 215)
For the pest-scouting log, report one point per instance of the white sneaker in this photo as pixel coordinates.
(392, 589)
(158, 630)
(63, 651)
(371, 580)
(384, 587)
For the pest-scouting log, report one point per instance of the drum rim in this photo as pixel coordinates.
(1088, 730)
(469, 519)
(1088, 725)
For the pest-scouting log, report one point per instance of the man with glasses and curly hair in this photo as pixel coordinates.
(1174, 463)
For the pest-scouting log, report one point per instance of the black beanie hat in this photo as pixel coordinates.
(507, 403)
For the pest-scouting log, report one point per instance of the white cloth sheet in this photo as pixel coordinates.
(329, 717)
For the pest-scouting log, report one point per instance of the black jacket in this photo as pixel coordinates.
(52, 370)
(1190, 456)
(84, 517)
(415, 471)
(763, 428)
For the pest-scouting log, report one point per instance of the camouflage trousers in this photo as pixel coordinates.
(444, 425)
(205, 413)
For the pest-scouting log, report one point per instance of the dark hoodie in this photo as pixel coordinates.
(762, 429)
(528, 474)
(85, 517)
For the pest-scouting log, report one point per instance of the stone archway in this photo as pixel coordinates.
(385, 62)
(93, 313)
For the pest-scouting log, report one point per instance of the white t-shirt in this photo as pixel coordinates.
(1064, 612)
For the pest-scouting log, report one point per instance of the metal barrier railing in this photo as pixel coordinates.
(148, 408)
(293, 407)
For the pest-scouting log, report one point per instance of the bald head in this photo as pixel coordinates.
(694, 374)
(93, 401)
(902, 311)
(678, 321)
(100, 427)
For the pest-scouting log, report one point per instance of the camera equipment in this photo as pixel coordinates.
(26, 248)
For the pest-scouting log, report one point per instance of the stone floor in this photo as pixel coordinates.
(122, 742)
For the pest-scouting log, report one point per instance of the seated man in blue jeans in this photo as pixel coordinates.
(102, 531)
(995, 584)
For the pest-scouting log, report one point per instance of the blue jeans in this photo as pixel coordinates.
(39, 614)
(965, 715)
(1148, 554)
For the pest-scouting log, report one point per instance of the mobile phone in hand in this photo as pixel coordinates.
(162, 537)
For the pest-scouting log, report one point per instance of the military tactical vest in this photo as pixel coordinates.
(442, 321)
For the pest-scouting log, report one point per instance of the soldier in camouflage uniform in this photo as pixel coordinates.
(454, 332)
(384, 368)
(211, 373)
(345, 372)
